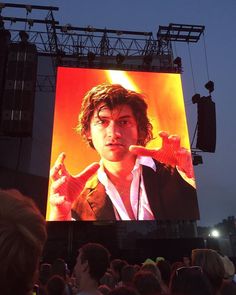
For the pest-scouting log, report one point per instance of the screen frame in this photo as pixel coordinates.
(163, 93)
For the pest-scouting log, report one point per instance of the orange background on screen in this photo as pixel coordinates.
(163, 94)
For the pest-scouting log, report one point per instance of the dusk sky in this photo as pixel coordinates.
(216, 177)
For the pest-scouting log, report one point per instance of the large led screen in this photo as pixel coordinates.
(120, 148)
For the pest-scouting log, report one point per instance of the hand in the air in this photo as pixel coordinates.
(65, 188)
(170, 153)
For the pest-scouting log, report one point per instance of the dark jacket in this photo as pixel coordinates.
(170, 197)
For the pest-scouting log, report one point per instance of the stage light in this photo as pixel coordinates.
(210, 86)
(197, 159)
(120, 58)
(196, 98)
(28, 8)
(178, 61)
(23, 36)
(30, 23)
(147, 59)
(214, 233)
(91, 56)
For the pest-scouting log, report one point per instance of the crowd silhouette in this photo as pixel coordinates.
(24, 272)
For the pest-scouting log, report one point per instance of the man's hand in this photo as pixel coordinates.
(65, 188)
(170, 153)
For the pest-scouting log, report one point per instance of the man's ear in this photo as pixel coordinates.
(89, 139)
(88, 135)
(85, 266)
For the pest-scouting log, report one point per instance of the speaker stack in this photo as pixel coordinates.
(206, 135)
(18, 93)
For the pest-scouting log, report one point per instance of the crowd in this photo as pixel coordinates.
(22, 237)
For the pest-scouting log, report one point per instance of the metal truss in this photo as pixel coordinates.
(74, 41)
(99, 48)
(52, 42)
(180, 33)
(106, 42)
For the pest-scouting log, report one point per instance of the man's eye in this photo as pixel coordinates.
(101, 122)
(124, 123)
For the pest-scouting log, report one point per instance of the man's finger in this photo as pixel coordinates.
(185, 162)
(60, 159)
(54, 172)
(56, 199)
(174, 142)
(83, 176)
(58, 168)
(142, 151)
(58, 184)
(164, 136)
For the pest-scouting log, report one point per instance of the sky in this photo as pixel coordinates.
(216, 177)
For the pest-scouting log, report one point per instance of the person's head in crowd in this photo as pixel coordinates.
(92, 263)
(211, 264)
(186, 260)
(56, 285)
(228, 288)
(116, 267)
(127, 275)
(22, 237)
(44, 273)
(104, 289)
(165, 269)
(137, 267)
(123, 290)
(228, 267)
(175, 265)
(44, 276)
(108, 279)
(153, 268)
(146, 283)
(59, 267)
(189, 281)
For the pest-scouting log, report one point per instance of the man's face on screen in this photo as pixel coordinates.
(113, 131)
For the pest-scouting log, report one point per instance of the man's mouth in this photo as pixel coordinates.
(114, 144)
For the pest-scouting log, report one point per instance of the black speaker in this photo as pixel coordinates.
(17, 105)
(5, 37)
(206, 134)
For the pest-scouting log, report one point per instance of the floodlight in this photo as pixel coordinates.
(120, 58)
(24, 36)
(91, 56)
(210, 86)
(147, 59)
(214, 233)
(196, 98)
(178, 61)
(197, 159)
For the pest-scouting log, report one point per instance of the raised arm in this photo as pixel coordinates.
(65, 188)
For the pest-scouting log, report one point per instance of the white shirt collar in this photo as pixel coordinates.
(120, 211)
(140, 160)
(145, 161)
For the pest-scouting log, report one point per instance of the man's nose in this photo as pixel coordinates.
(113, 130)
